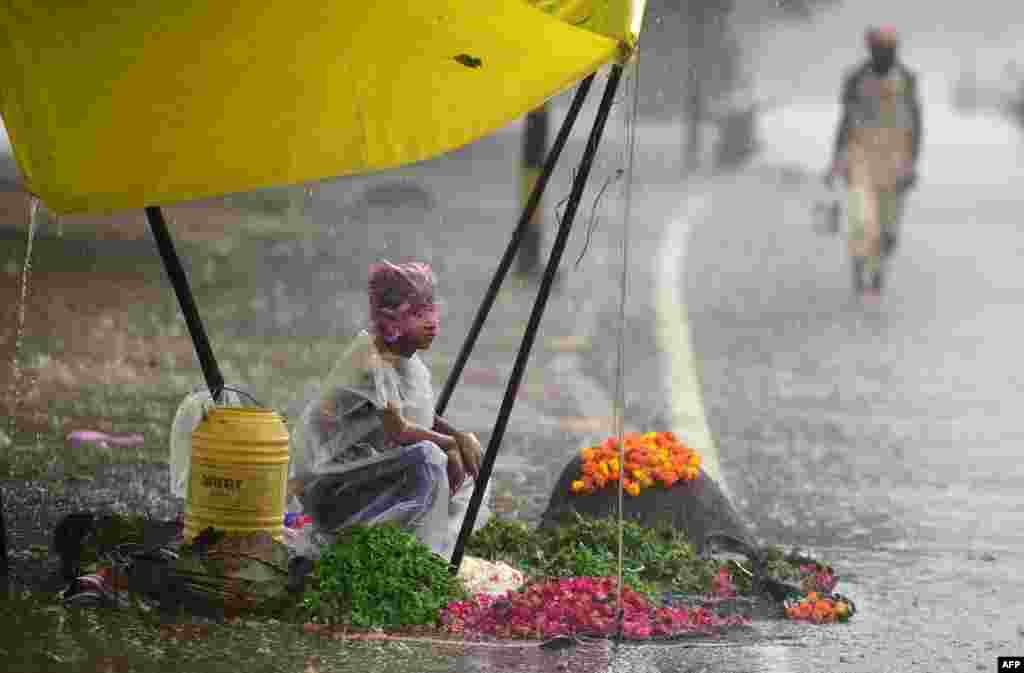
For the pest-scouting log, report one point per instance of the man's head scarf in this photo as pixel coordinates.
(882, 36)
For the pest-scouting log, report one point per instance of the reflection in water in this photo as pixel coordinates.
(774, 658)
(589, 657)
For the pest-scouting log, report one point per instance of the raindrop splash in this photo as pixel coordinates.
(16, 374)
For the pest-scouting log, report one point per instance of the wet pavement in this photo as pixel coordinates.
(882, 434)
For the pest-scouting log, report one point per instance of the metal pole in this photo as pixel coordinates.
(565, 226)
(176, 274)
(694, 17)
(535, 141)
(4, 570)
(513, 245)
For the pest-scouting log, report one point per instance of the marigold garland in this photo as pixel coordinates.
(819, 609)
(650, 458)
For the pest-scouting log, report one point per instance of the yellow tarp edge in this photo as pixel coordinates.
(113, 106)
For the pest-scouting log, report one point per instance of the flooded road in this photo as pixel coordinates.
(883, 435)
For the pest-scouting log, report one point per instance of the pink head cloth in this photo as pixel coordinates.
(399, 295)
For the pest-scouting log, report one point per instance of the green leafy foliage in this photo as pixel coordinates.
(779, 566)
(654, 559)
(380, 575)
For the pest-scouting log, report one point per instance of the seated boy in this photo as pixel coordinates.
(369, 447)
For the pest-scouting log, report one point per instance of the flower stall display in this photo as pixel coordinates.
(576, 606)
(651, 459)
(518, 583)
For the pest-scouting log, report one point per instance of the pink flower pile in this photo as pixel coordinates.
(723, 586)
(817, 578)
(575, 605)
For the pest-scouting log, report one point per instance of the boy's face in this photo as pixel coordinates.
(423, 328)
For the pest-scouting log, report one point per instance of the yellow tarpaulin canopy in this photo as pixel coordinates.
(113, 105)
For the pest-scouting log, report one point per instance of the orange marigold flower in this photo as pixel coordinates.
(646, 459)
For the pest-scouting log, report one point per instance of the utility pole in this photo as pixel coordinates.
(535, 142)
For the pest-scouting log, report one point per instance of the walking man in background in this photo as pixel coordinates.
(876, 151)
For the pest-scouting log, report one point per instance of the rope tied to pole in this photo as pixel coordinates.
(620, 393)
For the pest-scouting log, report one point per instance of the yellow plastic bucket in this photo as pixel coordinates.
(239, 473)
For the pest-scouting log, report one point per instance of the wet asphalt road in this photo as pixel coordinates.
(883, 436)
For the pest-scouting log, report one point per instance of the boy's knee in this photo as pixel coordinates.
(431, 453)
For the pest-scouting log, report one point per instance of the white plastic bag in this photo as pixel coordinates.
(457, 507)
(190, 413)
(480, 576)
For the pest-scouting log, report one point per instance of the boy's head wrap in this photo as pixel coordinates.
(399, 294)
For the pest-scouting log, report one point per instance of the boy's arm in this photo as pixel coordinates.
(469, 446)
(414, 433)
(404, 432)
(442, 425)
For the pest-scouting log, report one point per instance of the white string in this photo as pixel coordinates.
(620, 393)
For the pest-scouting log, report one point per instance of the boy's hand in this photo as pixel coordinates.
(296, 487)
(456, 470)
(394, 423)
(470, 452)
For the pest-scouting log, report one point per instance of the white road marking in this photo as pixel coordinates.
(688, 419)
